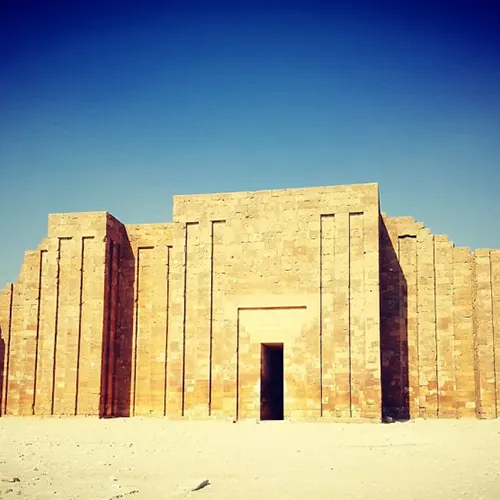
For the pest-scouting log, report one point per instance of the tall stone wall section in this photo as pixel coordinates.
(83, 331)
(168, 319)
(6, 298)
(51, 322)
(375, 313)
(136, 354)
(298, 267)
(439, 324)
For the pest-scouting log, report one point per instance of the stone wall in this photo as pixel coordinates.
(375, 314)
(137, 357)
(298, 267)
(440, 314)
(51, 321)
(6, 298)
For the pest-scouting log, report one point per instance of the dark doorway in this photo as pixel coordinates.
(271, 382)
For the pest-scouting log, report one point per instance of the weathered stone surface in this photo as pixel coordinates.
(375, 315)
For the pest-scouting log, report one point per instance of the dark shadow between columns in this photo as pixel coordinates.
(393, 332)
(117, 352)
(123, 347)
(2, 365)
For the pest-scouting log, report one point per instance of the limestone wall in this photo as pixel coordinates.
(295, 266)
(374, 313)
(139, 290)
(439, 324)
(83, 331)
(6, 297)
(51, 321)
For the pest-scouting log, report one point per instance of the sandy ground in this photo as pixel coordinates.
(149, 458)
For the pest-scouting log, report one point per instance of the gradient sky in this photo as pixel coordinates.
(110, 106)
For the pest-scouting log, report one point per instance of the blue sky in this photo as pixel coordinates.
(115, 106)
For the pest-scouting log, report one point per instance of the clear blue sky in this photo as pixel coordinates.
(104, 106)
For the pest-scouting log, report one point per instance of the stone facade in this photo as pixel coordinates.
(364, 315)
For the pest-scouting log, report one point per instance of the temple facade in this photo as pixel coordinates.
(281, 304)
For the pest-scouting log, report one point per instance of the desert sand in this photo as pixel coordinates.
(153, 458)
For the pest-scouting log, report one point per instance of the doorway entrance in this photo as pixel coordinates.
(271, 382)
